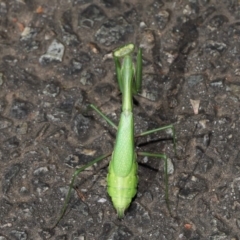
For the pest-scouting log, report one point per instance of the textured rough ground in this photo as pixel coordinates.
(54, 61)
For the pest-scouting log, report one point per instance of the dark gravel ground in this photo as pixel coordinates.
(54, 61)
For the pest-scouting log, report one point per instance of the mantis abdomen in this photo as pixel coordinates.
(122, 176)
(122, 189)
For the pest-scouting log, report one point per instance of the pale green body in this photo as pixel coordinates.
(122, 179)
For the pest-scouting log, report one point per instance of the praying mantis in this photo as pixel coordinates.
(122, 178)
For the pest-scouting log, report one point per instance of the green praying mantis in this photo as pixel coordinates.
(122, 178)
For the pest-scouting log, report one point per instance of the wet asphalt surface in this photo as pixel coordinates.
(55, 59)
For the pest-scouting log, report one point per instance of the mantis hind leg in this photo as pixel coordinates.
(164, 157)
(77, 171)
